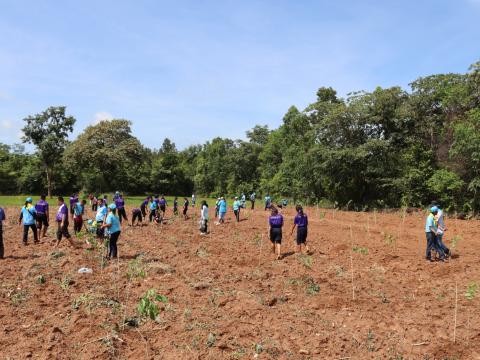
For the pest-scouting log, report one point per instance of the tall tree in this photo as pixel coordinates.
(49, 131)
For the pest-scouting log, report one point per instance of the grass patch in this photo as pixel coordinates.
(471, 291)
(360, 250)
(305, 260)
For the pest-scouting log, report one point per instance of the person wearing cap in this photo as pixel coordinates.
(100, 219)
(276, 223)
(112, 224)
(222, 210)
(62, 222)
(28, 215)
(236, 208)
(441, 230)
(41, 207)
(431, 231)
(2, 219)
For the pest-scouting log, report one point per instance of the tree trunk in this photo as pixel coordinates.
(49, 182)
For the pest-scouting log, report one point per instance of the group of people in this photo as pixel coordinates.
(434, 229)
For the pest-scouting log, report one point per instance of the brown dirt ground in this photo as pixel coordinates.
(229, 299)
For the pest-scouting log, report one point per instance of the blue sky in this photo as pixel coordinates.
(193, 70)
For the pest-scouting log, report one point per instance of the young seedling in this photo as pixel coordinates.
(360, 250)
(148, 305)
(306, 260)
(471, 291)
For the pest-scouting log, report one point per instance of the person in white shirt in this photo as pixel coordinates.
(441, 230)
(204, 218)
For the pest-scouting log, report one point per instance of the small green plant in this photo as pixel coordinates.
(57, 254)
(83, 299)
(65, 282)
(471, 291)
(454, 241)
(202, 252)
(258, 348)
(370, 341)
(257, 240)
(40, 279)
(306, 260)
(360, 250)
(19, 297)
(148, 305)
(322, 215)
(211, 339)
(136, 269)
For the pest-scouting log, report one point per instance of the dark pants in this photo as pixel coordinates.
(253, 204)
(62, 231)
(441, 245)
(77, 224)
(94, 207)
(41, 221)
(137, 215)
(432, 244)
(122, 214)
(204, 226)
(152, 215)
(175, 210)
(100, 231)
(25, 233)
(237, 214)
(1, 241)
(112, 244)
(144, 211)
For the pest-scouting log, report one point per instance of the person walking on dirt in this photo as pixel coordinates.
(175, 206)
(2, 219)
(78, 213)
(243, 201)
(268, 202)
(120, 204)
(28, 215)
(252, 200)
(204, 218)
(431, 230)
(153, 210)
(439, 218)
(236, 208)
(222, 210)
(194, 199)
(112, 224)
(73, 201)
(163, 206)
(62, 222)
(100, 218)
(301, 223)
(185, 208)
(42, 216)
(276, 223)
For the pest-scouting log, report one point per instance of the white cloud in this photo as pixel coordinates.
(102, 115)
(6, 124)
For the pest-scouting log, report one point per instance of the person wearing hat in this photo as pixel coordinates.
(62, 222)
(120, 204)
(236, 208)
(112, 224)
(28, 214)
(2, 219)
(431, 231)
(222, 210)
(440, 219)
(42, 209)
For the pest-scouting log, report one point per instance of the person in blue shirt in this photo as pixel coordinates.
(112, 224)
(153, 210)
(78, 211)
(431, 231)
(252, 200)
(100, 219)
(236, 208)
(268, 202)
(28, 215)
(222, 210)
(2, 219)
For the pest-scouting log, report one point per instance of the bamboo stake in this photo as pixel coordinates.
(351, 262)
(455, 315)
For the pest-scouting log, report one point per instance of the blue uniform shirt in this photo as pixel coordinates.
(115, 222)
(27, 215)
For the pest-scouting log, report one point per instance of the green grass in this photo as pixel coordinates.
(19, 200)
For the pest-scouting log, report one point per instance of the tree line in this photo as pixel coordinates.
(385, 148)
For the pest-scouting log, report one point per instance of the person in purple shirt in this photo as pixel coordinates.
(2, 219)
(276, 223)
(42, 216)
(73, 201)
(301, 223)
(143, 206)
(62, 222)
(163, 205)
(120, 204)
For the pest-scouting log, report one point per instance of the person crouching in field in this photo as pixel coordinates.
(137, 216)
(2, 219)
(78, 211)
(185, 208)
(431, 231)
(301, 223)
(28, 215)
(120, 204)
(204, 218)
(276, 223)
(42, 216)
(62, 222)
(112, 224)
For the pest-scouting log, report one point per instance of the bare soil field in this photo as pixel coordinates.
(365, 292)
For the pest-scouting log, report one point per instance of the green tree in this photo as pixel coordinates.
(49, 131)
